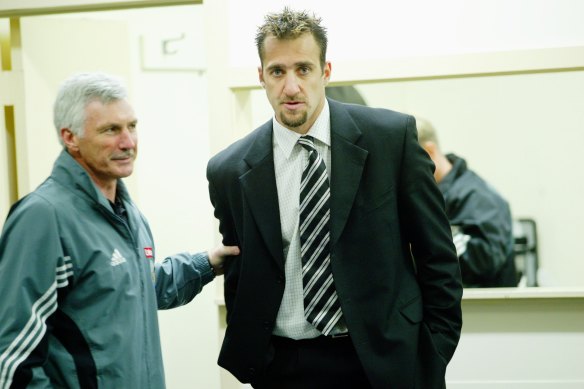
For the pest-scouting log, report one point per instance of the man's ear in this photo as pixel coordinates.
(69, 139)
(431, 148)
(261, 77)
(327, 72)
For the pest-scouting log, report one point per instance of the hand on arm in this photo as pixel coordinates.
(218, 255)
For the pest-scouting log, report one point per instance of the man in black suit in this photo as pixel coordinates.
(348, 277)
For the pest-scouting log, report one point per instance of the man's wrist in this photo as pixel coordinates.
(211, 266)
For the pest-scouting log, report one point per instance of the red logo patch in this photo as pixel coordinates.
(148, 252)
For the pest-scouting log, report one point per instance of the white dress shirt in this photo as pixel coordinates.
(289, 161)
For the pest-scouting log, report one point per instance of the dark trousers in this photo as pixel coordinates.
(320, 363)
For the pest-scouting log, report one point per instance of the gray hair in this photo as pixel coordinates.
(77, 92)
(290, 24)
(426, 131)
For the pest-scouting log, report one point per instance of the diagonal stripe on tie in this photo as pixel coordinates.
(321, 304)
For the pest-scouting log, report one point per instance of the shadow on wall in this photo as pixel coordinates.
(345, 94)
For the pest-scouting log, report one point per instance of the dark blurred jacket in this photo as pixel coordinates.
(482, 227)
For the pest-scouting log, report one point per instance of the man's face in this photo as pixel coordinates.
(109, 145)
(294, 80)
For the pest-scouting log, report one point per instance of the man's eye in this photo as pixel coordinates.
(110, 130)
(277, 72)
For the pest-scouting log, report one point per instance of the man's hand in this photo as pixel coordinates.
(217, 257)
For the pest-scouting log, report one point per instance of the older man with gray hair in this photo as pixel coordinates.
(79, 279)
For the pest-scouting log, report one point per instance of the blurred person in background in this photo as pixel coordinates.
(480, 217)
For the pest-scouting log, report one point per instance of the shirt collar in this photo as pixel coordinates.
(286, 139)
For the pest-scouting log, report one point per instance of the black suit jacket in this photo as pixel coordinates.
(394, 264)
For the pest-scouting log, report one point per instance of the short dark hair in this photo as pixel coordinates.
(290, 24)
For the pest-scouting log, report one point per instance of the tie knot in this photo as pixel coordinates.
(307, 142)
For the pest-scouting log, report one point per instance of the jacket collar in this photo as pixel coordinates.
(459, 167)
(259, 182)
(69, 173)
(347, 160)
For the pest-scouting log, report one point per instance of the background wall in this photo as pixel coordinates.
(170, 94)
(375, 29)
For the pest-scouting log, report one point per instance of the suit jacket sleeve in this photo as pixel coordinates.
(217, 178)
(220, 174)
(427, 228)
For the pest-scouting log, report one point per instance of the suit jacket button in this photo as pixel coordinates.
(252, 371)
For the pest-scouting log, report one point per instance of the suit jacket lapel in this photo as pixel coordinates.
(347, 160)
(259, 188)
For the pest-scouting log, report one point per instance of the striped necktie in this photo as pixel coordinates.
(321, 304)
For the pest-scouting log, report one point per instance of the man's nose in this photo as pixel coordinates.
(128, 138)
(291, 85)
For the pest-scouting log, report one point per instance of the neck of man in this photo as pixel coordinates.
(443, 167)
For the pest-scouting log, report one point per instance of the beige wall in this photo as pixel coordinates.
(5, 198)
(11, 96)
(517, 339)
